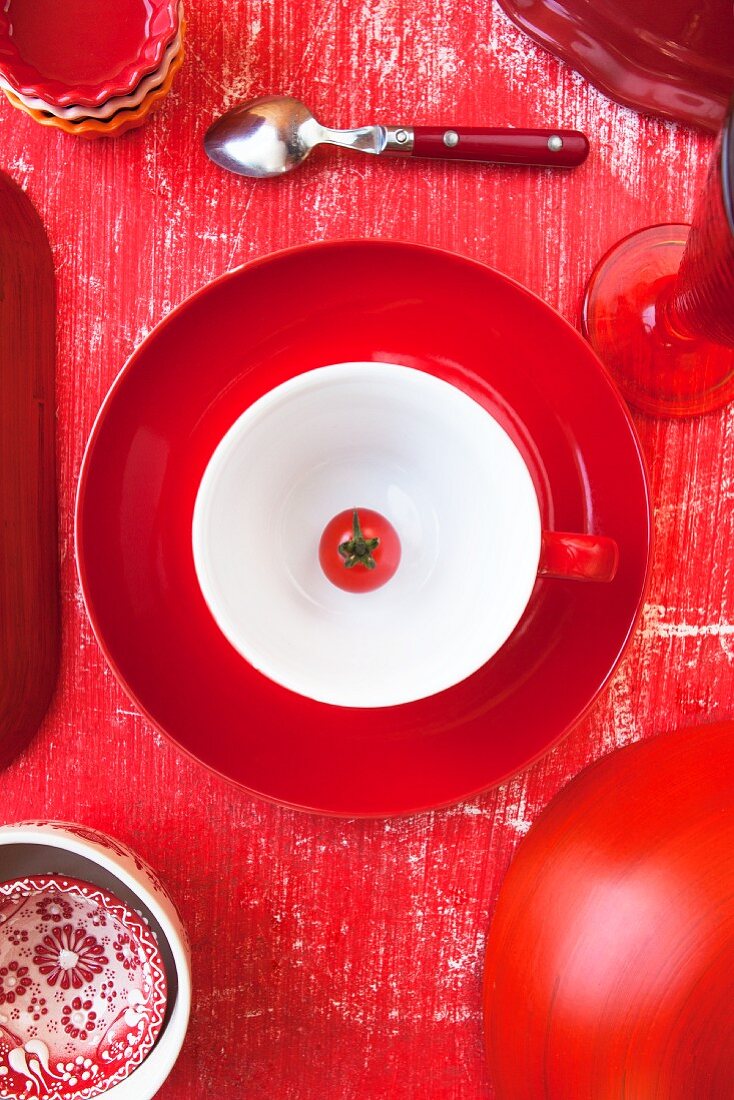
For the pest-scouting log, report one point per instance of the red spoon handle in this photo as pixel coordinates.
(556, 148)
(578, 557)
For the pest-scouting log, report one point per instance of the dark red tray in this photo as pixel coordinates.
(29, 598)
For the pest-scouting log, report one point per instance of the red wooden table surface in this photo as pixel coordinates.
(332, 958)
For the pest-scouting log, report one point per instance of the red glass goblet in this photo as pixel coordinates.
(659, 307)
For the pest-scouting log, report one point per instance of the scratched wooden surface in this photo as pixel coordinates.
(333, 958)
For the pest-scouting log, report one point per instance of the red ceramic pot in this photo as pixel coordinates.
(611, 954)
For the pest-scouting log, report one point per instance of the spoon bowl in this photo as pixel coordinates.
(266, 137)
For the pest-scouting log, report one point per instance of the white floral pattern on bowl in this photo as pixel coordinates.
(82, 989)
(82, 846)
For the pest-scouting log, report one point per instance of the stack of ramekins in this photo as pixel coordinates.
(89, 69)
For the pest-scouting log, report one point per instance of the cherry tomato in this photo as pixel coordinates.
(359, 550)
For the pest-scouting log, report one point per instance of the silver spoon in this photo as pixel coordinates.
(270, 136)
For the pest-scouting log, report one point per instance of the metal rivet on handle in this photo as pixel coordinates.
(401, 136)
(555, 143)
(451, 138)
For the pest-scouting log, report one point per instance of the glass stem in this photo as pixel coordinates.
(672, 319)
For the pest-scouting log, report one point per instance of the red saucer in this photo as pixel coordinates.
(227, 346)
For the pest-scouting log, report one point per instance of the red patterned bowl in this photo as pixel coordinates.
(83, 989)
(66, 54)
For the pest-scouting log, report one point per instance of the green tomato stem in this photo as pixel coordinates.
(358, 550)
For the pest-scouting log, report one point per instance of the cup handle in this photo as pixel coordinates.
(578, 557)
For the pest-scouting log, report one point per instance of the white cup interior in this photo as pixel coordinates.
(417, 450)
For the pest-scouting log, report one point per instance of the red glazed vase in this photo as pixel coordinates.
(611, 953)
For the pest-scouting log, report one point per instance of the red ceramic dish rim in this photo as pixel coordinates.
(82, 572)
(616, 73)
(163, 24)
